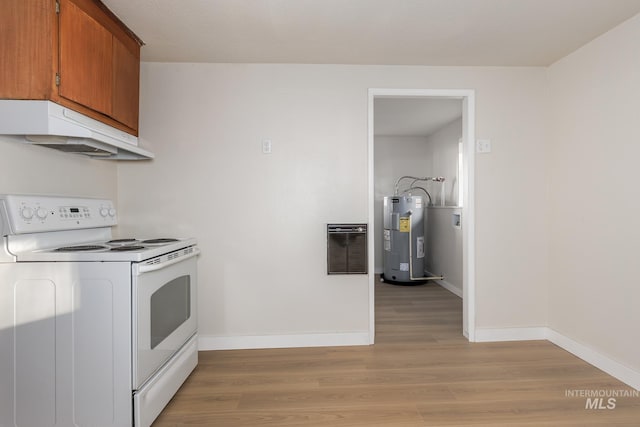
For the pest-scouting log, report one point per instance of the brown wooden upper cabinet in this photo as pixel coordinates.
(73, 52)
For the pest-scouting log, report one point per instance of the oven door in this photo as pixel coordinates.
(164, 315)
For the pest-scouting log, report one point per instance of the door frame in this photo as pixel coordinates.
(468, 209)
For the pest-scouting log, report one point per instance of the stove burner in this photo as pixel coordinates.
(121, 241)
(127, 248)
(80, 248)
(155, 241)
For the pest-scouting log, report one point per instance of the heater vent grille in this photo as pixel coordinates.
(347, 249)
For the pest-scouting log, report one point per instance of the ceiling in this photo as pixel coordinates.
(393, 32)
(382, 32)
(413, 116)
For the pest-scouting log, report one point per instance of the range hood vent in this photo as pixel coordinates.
(54, 126)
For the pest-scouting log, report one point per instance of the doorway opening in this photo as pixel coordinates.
(441, 114)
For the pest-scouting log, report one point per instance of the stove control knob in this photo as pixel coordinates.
(112, 212)
(41, 213)
(26, 212)
(104, 212)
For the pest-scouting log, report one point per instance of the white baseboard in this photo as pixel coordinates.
(600, 361)
(450, 287)
(589, 355)
(210, 342)
(510, 334)
(456, 290)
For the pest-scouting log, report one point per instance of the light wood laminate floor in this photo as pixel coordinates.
(420, 372)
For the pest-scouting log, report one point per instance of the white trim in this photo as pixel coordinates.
(468, 217)
(600, 361)
(450, 287)
(212, 342)
(371, 220)
(589, 355)
(510, 334)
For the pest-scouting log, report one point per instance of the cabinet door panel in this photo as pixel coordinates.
(26, 70)
(86, 50)
(126, 77)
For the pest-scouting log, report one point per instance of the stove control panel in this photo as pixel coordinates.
(34, 214)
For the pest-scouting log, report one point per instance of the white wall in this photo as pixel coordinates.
(395, 156)
(261, 219)
(443, 157)
(444, 243)
(594, 291)
(30, 169)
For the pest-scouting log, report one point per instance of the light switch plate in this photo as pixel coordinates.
(483, 146)
(266, 146)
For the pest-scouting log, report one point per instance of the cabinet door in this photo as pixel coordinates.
(126, 78)
(26, 70)
(86, 55)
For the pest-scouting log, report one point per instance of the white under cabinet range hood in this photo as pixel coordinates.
(54, 126)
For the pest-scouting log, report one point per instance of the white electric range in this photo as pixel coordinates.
(93, 330)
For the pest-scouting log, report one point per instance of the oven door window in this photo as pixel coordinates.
(170, 308)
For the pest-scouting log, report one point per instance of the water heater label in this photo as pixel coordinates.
(404, 224)
(420, 247)
(418, 203)
(404, 266)
(387, 240)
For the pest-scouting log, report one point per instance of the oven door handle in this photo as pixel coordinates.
(153, 267)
